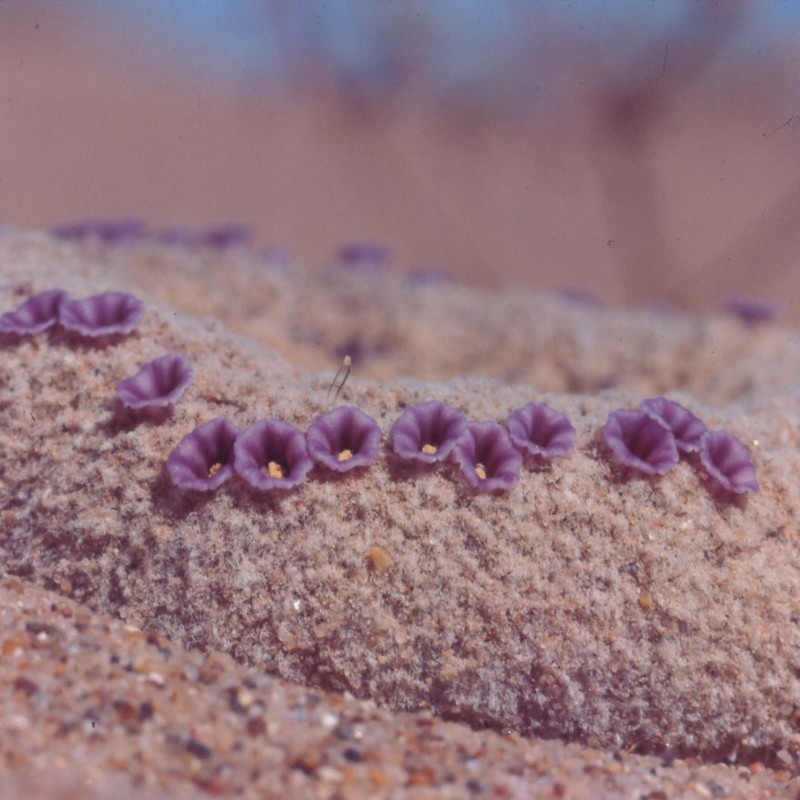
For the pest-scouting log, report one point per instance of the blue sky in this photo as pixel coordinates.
(362, 42)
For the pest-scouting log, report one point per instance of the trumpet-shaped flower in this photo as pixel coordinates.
(728, 463)
(158, 384)
(640, 442)
(343, 439)
(272, 454)
(427, 432)
(487, 458)
(540, 431)
(203, 459)
(107, 314)
(685, 426)
(35, 315)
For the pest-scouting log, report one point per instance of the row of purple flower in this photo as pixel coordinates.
(273, 454)
(107, 314)
(652, 438)
(361, 257)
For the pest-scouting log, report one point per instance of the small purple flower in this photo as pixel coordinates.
(275, 256)
(640, 442)
(541, 431)
(109, 231)
(272, 454)
(212, 237)
(179, 235)
(581, 297)
(107, 314)
(224, 236)
(158, 384)
(35, 315)
(431, 276)
(728, 462)
(750, 310)
(203, 459)
(487, 458)
(685, 426)
(343, 439)
(427, 432)
(365, 257)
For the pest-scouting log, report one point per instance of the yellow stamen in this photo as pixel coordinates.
(481, 470)
(345, 455)
(214, 469)
(430, 449)
(273, 470)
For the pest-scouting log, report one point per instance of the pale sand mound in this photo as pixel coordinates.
(641, 614)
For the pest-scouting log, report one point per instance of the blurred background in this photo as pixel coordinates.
(648, 152)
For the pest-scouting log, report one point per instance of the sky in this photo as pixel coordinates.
(374, 44)
(669, 128)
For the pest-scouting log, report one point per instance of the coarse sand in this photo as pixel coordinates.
(606, 611)
(95, 709)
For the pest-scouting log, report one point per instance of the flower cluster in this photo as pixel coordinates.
(106, 314)
(107, 231)
(366, 258)
(651, 439)
(489, 455)
(128, 230)
(273, 454)
(155, 388)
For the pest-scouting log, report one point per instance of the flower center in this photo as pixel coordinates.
(345, 455)
(481, 471)
(214, 469)
(273, 470)
(430, 449)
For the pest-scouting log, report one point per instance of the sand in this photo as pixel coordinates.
(613, 615)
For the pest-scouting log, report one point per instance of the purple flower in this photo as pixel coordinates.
(275, 256)
(343, 439)
(581, 297)
(109, 231)
(750, 310)
(366, 257)
(35, 315)
(728, 462)
(541, 431)
(640, 442)
(487, 458)
(158, 384)
(685, 426)
(213, 237)
(203, 459)
(272, 455)
(431, 276)
(110, 313)
(427, 432)
(222, 237)
(180, 235)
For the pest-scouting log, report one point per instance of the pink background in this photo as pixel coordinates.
(675, 179)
